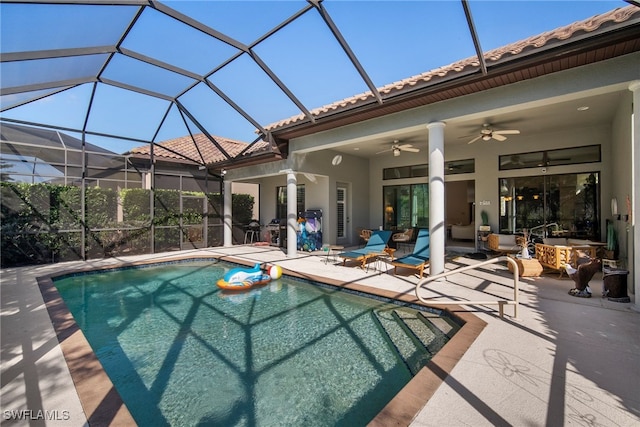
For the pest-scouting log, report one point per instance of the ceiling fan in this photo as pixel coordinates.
(397, 148)
(488, 132)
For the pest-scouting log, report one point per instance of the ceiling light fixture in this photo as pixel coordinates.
(396, 152)
(583, 108)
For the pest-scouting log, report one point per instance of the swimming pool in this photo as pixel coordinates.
(181, 352)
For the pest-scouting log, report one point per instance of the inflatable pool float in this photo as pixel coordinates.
(244, 278)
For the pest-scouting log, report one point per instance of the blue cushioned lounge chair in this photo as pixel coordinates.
(417, 260)
(374, 247)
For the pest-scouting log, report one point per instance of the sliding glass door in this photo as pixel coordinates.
(564, 205)
(405, 206)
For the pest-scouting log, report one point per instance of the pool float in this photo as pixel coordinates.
(243, 278)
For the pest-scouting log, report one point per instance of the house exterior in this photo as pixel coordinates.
(569, 100)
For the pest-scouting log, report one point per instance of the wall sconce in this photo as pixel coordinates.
(614, 208)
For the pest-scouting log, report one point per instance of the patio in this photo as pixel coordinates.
(565, 360)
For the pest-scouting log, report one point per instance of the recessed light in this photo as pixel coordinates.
(356, 148)
(583, 108)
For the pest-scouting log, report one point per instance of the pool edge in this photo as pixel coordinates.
(101, 403)
(104, 406)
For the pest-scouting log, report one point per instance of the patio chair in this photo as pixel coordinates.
(375, 247)
(403, 238)
(419, 258)
(364, 235)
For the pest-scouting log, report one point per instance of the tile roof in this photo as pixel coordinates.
(532, 44)
(199, 149)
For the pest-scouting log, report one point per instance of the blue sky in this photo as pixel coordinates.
(392, 40)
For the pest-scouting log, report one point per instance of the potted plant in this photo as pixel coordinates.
(485, 222)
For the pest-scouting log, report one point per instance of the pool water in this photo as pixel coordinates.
(182, 352)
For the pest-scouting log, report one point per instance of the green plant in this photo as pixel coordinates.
(485, 217)
(612, 238)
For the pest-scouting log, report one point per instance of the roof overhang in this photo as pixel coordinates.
(580, 50)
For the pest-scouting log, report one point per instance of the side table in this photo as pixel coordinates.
(331, 252)
(390, 252)
(526, 267)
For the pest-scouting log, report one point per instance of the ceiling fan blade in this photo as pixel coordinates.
(467, 136)
(403, 146)
(411, 149)
(498, 137)
(475, 139)
(384, 151)
(507, 132)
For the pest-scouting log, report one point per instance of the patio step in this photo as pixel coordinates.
(413, 335)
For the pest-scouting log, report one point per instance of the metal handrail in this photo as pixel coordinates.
(500, 303)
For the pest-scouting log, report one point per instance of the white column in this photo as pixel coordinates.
(292, 215)
(634, 268)
(226, 212)
(437, 232)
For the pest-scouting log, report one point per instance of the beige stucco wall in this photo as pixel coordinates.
(620, 184)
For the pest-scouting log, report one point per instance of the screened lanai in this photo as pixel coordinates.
(110, 83)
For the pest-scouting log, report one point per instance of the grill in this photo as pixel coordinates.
(277, 232)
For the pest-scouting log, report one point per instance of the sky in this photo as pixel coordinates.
(392, 40)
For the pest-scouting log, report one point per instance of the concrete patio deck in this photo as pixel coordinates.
(564, 361)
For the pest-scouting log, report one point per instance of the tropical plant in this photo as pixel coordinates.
(485, 217)
(612, 239)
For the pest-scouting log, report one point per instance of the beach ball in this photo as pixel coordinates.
(275, 272)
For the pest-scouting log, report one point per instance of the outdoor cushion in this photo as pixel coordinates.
(555, 241)
(503, 243)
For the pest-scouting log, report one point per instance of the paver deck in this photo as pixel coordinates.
(565, 361)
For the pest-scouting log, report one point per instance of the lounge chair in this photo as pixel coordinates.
(419, 258)
(375, 247)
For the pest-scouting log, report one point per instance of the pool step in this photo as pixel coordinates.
(430, 329)
(414, 335)
(408, 347)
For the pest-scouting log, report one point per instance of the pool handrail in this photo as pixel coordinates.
(500, 303)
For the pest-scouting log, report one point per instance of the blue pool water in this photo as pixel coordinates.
(182, 352)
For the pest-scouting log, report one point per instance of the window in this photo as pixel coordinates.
(453, 167)
(415, 171)
(459, 166)
(281, 201)
(406, 206)
(563, 156)
(569, 202)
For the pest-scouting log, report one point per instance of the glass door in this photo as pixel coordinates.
(554, 205)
